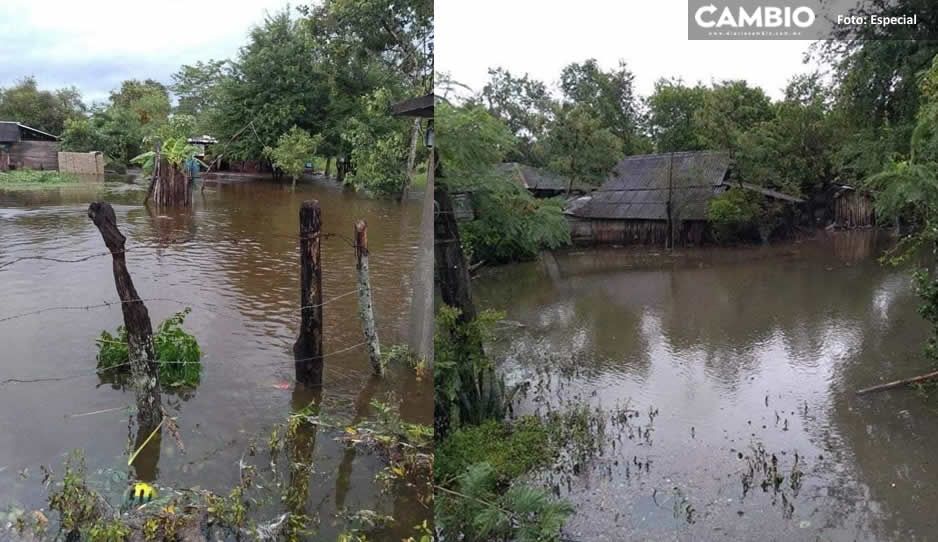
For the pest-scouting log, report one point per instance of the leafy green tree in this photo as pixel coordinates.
(671, 118)
(294, 149)
(525, 105)
(148, 100)
(729, 109)
(510, 224)
(792, 150)
(196, 90)
(609, 97)
(580, 147)
(43, 109)
(378, 146)
(275, 83)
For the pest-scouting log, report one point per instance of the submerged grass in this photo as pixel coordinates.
(176, 350)
(24, 179)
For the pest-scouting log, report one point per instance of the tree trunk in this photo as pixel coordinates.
(143, 367)
(328, 166)
(307, 351)
(365, 305)
(170, 186)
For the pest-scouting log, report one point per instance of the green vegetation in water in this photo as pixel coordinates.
(176, 350)
(481, 509)
(466, 388)
(511, 449)
(26, 179)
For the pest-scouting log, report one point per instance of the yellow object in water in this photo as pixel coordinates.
(142, 492)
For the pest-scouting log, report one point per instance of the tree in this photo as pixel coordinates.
(729, 109)
(378, 146)
(294, 149)
(609, 97)
(275, 83)
(510, 224)
(580, 147)
(196, 89)
(671, 120)
(525, 105)
(43, 109)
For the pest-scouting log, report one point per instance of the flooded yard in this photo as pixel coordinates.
(727, 378)
(233, 259)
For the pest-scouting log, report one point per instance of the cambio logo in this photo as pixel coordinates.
(758, 17)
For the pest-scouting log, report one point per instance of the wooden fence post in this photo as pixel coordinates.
(452, 273)
(143, 367)
(307, 351)
(365, 305)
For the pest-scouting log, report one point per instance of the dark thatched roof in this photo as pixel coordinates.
(640, 187)
(11, 132)
(532, 178)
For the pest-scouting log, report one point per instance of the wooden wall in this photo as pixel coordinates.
(854, 209)
(634, 232)
(35, 155)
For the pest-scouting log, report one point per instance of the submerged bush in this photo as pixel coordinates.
(477, 510)
(512, 449)
(176, 350)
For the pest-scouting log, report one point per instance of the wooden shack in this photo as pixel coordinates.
(540, 182)
(658, 200)
(853, 208)
(24, 147)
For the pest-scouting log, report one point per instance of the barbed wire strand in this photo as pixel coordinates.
(208, 308)
(97, 371)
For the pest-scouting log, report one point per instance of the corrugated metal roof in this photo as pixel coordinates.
(11, 131)
(533, 178)
(640, 187)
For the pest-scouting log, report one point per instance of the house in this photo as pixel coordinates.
(853, 208)
(657, 199)
(24, 147)
(541, 182)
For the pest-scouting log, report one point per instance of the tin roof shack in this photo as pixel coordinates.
(657, 199)
(542, 183)
(23, 147)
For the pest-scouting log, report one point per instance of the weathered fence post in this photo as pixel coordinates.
(452, 273)
(307, 351)
(365, 305)
(143, 367)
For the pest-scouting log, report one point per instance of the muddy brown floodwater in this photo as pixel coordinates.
(234, 259)
(724, 359)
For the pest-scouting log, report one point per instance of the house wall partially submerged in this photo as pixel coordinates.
(854, 209)
(607, 231)
(34, 155)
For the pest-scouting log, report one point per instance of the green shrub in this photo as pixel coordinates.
(512, 449)
(176, 350)
(476, 510)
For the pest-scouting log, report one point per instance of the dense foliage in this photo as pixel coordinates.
(294, 149)
(332, 70)
(177, 353)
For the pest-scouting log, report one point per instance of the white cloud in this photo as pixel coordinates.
(96, 45)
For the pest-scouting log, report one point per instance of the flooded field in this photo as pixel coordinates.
(233, 259)
(727, 380)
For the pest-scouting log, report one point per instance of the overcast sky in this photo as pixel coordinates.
(540, 37)
(96, 45)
